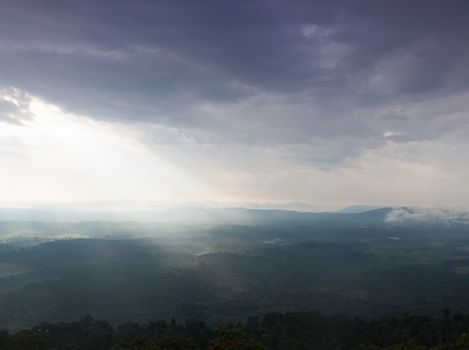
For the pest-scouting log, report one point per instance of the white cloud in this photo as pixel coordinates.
(56, 156)
(428, 215)
(61, 157)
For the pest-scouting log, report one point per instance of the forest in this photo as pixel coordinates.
(372, 284)
(273, 331)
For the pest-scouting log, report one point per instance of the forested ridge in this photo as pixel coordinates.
(226, 273)
(139, 281)
(276, 331)
(389, 283)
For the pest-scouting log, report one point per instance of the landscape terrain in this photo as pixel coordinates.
(234, 175)
(366, 264)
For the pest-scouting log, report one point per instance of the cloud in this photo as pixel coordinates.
(159, 60)
(14, 106)
(64, 157)
(305, 95)
(428, 216)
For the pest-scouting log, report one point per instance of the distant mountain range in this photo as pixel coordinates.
(354, 209)
(199, 215)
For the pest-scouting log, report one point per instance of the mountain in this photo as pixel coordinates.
(354, 209)
(187, 215)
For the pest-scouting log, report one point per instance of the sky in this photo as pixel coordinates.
(293, 104)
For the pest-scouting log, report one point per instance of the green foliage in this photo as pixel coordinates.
(274, 331)
(26, 340)
(234, 339)
(226, 273)
(139, 280)
(175, 342)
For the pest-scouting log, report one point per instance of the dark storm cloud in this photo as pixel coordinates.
(330, 68)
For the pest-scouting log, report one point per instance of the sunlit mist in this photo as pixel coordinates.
(49, 155)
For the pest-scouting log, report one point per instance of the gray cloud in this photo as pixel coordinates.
(352, 74)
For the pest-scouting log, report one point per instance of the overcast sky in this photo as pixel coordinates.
(329, 103)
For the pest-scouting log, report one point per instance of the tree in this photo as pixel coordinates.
(234, 339)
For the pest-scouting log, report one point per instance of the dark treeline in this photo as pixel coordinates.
(276, 331)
